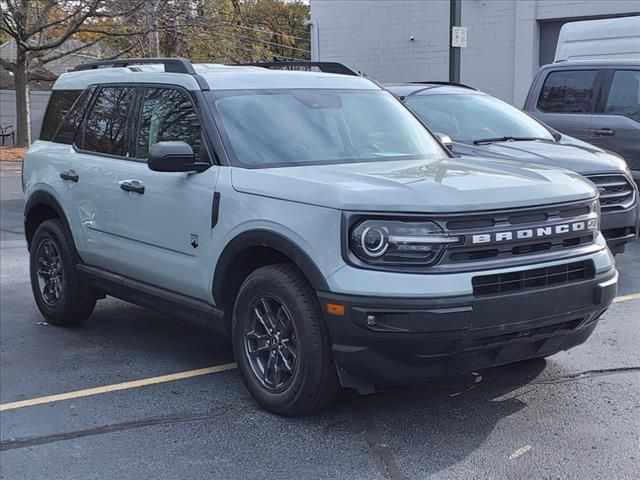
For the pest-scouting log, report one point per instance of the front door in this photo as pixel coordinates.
(164, 218)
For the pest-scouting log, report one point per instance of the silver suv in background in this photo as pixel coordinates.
(597, 101)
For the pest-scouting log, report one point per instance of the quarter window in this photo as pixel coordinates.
(59, 105)
(624, 94)
(568, 92)
(168, 114)
(107, 122)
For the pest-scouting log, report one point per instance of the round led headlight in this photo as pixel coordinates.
(374, 241)
(396, 242)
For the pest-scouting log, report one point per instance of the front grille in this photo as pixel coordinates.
(513, 282)
(616, 192)
(534, 218)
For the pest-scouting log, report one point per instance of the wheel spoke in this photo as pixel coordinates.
(288, 367)
(261, 319)
(269, 369)
(284, 322)
(269, 313)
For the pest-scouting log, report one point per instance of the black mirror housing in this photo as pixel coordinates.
(174, 157)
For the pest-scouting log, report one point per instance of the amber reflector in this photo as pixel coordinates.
(335, 309)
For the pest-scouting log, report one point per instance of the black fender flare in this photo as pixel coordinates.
(269, 239)
(42, 197)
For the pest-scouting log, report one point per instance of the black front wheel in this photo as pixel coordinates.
(59, 294)
(281, 343)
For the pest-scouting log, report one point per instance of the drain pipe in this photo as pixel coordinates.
(315, 39)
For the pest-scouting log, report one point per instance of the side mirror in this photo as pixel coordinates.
(445, 140)
(174, 157)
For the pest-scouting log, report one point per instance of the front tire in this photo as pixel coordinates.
(281, 343)
(59, 294)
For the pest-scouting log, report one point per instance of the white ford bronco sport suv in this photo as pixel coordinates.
(310, 216)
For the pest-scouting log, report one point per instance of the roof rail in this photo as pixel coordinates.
(327, 67)
(454, 84)
(171, 65)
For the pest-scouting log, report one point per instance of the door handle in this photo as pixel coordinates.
(132, 186)
(604, 132)
(69, 175)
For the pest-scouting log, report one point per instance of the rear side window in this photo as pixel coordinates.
(168, 114)
(624, 94)
(106, 127)
(59, 106)
(568, 92)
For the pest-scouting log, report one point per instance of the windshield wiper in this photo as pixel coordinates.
(507, 139)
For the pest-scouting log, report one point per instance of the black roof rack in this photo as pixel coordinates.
(327, 67)
(171, 65)
(453, 84)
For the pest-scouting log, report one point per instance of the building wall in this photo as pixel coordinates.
(374, 37)
(503, 37)
(38, 100)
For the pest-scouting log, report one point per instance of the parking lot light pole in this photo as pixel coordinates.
(455, 20)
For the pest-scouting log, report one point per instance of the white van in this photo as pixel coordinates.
(612, 38)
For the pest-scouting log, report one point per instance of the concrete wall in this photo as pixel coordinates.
(374, 37)
(504, 38)
(38, 102)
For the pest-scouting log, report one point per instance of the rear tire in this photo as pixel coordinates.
(278, 328)
(57, 289)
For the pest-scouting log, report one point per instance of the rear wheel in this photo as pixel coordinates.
(59, 294)
(281, 343)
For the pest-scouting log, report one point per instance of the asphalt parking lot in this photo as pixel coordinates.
(575, 415)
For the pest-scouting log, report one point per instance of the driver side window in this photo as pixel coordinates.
(168, 114)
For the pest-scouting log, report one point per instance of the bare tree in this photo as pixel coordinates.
(40, 27)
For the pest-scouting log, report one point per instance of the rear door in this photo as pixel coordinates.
(101, 150)
(567, 100)
(165, 226)
(615, 125)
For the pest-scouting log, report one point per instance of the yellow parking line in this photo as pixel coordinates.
(161, 379)
(116, 387)
(626, 298)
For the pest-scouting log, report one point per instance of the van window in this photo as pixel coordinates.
(568, 92)
(624, 94)
(59, 105)
(106, 126)
(168, 115)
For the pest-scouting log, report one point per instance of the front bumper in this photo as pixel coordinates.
(384, 341)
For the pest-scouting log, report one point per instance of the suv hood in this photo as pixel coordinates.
(568, 153)
(444, 185)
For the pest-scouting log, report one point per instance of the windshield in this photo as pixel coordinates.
(272, 128)
(470, 118)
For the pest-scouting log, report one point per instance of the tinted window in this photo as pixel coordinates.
(59, 105)
(568, 92)
(168, 115)
(106, 125)
(72, 121)
(624, 94)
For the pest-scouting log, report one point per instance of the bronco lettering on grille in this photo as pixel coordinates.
(538, 232)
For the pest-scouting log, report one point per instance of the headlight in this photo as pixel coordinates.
(394, 242)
